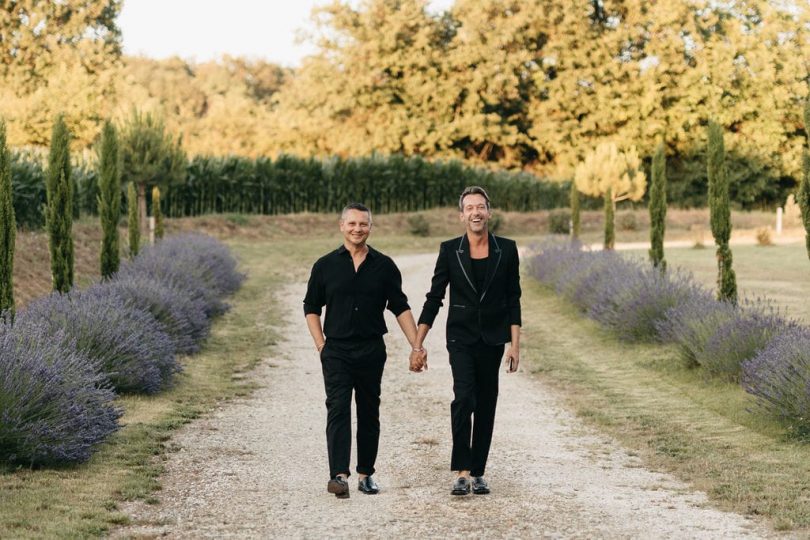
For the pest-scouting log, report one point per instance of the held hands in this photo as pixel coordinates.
(418, 360)
(512, 359)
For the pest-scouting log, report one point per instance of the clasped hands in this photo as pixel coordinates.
(418, 360)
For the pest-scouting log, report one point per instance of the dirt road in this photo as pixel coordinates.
(257, 467)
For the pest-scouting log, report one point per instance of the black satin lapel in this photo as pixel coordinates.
(463, 256)
(492, 265)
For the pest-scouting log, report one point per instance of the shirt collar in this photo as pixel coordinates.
(372, 253)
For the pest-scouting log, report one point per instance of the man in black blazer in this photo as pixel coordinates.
(484, 276)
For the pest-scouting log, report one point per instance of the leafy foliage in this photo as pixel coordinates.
(720, 213)
(8, 229)
(109, 199)
(59, 215)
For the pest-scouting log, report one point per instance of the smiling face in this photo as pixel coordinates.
(355, 226)
(475, 213)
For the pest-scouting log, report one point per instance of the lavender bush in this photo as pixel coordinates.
(54, 407)
(779, 376)
(692, 323)
(124, 342)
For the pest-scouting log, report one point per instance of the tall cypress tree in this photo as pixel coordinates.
(610, 227)
(156, 213)
(109, 199)
(658, 207)
(8, 230)
(132, 221)
(804, 190)
(59, 212)
(575, 218)
(720, 213)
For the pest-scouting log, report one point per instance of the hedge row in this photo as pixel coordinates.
(290, 184)
(751, 343)
(66, 356)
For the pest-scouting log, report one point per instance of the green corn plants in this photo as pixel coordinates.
(132, 220)
(109, 199)
(59, 212)
(8, 230)
(156, 213)
(658, 207)
(720, 213)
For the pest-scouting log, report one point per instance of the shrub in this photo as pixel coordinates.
(496, 223)
(125, 343)
(764, 236)
(691, 324)
(779, 376)
(55, 408)
(418, 225)
(559, 221)
(627, 221)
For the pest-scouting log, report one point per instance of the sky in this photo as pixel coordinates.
(203, 30)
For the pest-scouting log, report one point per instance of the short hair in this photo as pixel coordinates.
(355, 206)
(472, 190)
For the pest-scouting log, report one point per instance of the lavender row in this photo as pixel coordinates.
(66, 356)
(751, 342)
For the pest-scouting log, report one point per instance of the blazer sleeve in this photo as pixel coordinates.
(438, 286)
(513, 288)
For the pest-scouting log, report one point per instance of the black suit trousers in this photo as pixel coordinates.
(472, 412)
(352, 366)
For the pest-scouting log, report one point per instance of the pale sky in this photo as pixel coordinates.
(206, 29)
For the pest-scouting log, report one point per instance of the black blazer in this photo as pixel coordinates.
(486, 314)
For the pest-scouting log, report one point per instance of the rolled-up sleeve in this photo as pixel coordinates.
(513, 291)
(397, 300)
(315, 298)
(438, 287)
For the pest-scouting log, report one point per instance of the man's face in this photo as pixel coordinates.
(474, 213)
(355, 226)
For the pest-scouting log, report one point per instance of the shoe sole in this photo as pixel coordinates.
(460, 492)
(368, 492)
(481, 492)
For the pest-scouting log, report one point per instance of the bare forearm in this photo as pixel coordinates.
(421, 334)
(315, 330)
(408, 326)
(515, 331)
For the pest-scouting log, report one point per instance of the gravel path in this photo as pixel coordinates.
(257, 467)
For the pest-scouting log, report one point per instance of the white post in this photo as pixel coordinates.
(151, 229)
(779, 220)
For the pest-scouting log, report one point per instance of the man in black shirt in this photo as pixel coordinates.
(356, 283)
(483, 273)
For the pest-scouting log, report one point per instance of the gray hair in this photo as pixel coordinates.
(472, 190)
(355, 206)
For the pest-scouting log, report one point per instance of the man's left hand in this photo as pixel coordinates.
(512, 359)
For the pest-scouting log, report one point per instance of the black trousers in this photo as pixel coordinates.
(352, 366)
(472, 412)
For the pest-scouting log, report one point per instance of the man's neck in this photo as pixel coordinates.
(478, 239)
(355, 250)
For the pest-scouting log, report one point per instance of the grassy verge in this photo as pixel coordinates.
(83, 501)
(673, 417)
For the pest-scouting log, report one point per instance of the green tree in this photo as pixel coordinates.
(658, 207)
(720, 213)
(614, 175)
(804, 190)
(156, 213)
(8, 230)
(109, 199)
(132, 221)
(57, 57)
(575, 211)
(59, 212)
(150, 156)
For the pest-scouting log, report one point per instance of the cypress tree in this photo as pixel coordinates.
(109, 199)
(575, 219)
(804, 190)
(8, 230)
(610, 211)
(720, 213)
(658, 207)
(59, 211)
(156, 213)
(132, 221)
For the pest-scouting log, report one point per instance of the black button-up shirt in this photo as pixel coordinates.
(355, 301)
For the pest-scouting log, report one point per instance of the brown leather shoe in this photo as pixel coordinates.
(339, 486)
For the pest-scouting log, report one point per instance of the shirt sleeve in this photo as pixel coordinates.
(397, 301)
(438, 286)
(315, 298)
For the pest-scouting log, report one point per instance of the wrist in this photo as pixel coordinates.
(417, 349)
(321, 346)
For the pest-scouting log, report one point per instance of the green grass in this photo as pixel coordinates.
(81, 501)
(707, 432)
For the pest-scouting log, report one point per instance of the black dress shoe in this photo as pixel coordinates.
(479, 485)
(461, 486)
(368, 486)
(339, 486)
